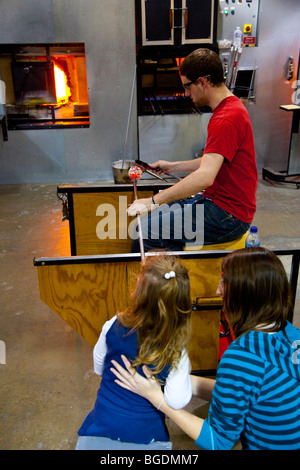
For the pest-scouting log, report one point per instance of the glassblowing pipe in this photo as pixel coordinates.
(135, 173)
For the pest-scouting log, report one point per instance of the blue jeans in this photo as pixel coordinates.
(216, 226)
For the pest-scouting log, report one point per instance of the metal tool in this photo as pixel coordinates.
(134, 175)
(235, 55)
(147, 168)
(129, 113)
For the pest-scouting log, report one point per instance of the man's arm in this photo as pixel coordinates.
(184, 166)
(197, 181)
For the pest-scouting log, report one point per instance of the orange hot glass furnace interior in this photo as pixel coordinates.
(46, 85)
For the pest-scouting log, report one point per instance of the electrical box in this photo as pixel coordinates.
(242, 13)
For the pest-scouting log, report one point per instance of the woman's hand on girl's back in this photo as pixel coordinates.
(128, 378)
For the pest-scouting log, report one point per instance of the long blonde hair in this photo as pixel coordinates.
(160, 311)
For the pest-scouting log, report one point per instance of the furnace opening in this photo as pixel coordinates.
(46, 85)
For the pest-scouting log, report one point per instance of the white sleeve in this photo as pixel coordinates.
(178, 388)
(100, 348)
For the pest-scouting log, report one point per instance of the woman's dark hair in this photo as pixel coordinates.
(256, 290)
(203, 63)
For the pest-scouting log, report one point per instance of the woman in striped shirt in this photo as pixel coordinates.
(256, 395)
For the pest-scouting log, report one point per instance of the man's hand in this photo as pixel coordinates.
(162, 167)
(141, 206)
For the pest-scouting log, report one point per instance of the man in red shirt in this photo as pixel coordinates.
(226, 174)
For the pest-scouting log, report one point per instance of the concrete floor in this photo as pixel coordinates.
(47, 385)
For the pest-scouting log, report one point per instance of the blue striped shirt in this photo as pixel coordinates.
(256, 398)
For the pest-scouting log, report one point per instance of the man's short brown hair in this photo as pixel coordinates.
(203, 63)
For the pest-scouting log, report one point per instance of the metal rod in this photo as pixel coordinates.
(129, 114)
(142, 250)
(229, 67)
(235, 70)
(251, 85)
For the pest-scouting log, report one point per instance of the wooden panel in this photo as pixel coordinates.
(205, 326)
(204, 275)
(101, 221)
(205, 333)
(87, 295)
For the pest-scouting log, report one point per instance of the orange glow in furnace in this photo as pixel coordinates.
(63, 91)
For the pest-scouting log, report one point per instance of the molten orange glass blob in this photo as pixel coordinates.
(63, 91)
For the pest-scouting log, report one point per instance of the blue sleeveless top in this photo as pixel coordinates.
(118, 413)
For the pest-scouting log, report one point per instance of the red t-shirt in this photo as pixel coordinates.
(230, 135)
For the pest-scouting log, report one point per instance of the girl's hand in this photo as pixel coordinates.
(131, 380)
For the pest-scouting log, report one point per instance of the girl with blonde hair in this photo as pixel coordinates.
(152, 331)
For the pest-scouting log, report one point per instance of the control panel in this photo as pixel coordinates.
(238, 13)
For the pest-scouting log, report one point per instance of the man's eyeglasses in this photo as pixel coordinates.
(187, 85)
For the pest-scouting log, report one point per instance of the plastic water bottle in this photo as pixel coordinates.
(237, 38)
(253, 238)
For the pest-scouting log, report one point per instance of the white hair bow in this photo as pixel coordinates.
(170, 274)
